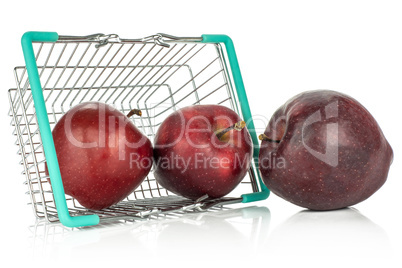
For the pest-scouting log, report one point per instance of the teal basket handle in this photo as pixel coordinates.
(245, 109)
(46, 133)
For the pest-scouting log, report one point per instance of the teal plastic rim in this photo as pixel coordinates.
(47, 138)
(46, 133)
(245, 109)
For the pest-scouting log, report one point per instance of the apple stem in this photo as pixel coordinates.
(264, 137)
(134, 111)
(238, 126)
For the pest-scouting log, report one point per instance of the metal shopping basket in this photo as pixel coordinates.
(157, 74)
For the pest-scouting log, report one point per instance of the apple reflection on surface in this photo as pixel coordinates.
(344, 232)
(235, 231)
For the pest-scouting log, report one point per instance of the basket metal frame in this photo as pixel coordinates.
(34, 108)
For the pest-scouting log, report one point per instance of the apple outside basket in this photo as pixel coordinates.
(157, 74)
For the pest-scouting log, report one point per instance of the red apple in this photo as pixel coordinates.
(202, 150)
(102, 156)
(323, 150)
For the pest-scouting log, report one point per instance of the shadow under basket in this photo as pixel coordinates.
(157, 74)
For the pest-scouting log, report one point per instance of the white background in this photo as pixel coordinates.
(284, 48)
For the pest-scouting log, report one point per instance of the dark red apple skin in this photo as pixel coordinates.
(174, 140)
(100, 176)
(363, 155)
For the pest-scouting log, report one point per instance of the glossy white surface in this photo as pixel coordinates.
(239, 235)
(284, 47)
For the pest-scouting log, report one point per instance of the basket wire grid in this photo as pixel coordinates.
(157, 74)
